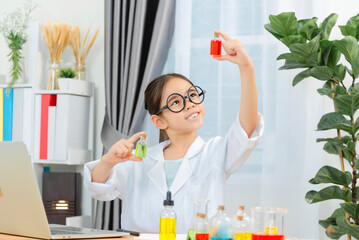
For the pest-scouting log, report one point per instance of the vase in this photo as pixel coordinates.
(81, 71)
(52, 82)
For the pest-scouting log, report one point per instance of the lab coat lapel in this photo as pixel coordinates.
(157, 172)
(185, 171)
(183, 174)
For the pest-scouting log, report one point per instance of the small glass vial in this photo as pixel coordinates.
(168, 220)
(216, 45)
(141, 147)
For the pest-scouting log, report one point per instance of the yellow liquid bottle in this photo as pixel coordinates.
(167, 229)
(168, 220)
(141, 147)
(242, 236)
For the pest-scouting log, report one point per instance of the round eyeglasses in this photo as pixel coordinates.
(176, 102)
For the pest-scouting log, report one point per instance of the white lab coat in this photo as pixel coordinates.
(202, 175)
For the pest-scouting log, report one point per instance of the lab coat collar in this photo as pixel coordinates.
(157, 174)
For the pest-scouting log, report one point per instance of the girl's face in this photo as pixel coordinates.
(190, 118)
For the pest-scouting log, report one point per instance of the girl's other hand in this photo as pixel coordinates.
(121, 151)
(234, 49)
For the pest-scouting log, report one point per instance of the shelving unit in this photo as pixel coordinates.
(76, 156)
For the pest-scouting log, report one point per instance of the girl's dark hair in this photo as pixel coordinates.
(153, 95)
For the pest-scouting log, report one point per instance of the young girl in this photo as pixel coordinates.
(185, 164)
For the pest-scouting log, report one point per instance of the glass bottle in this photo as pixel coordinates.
(201, 227)
(52, 83)
(81, 71)
(242, 212)
(141, 147)
(168, 220)
(216, 45)
(220, 226)
(199, 206)
(241, 229)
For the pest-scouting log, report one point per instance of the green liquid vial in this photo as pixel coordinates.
(141, 147)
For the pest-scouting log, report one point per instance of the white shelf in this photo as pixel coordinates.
(16, 85)
(52, 162)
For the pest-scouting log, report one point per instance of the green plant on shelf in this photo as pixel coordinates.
(311, 50)
(67, 73)
(14, 28)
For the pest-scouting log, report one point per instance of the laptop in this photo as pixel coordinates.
(22, 211)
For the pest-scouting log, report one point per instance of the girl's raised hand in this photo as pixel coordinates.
(121, 151)
(234, 49)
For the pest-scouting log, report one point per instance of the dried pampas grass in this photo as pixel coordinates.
(57, 37)
(79, 49)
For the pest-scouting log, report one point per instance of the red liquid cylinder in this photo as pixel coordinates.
(256, 236)
(216, 46)
(202, 236)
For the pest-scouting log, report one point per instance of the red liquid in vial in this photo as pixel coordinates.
(202, 236)
(216, 46)
(258, 236)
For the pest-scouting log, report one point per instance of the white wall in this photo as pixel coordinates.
(86, 14)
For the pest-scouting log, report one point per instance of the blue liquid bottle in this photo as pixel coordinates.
(220, 226)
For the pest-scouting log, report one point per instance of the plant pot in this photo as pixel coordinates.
(64, 83)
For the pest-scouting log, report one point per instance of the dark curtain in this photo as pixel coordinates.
(137, 39)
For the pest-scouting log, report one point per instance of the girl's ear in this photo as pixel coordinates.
(158, 122)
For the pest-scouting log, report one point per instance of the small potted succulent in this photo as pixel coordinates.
(64, 77)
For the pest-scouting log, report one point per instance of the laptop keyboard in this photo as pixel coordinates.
(63, 232)
(70, 230)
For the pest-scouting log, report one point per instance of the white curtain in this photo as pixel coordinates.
(279, 169)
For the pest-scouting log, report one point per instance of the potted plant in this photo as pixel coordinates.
(311, 50)
(14, 29)
(64, 77)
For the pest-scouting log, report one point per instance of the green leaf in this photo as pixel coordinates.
(285, 24)
(306, 27)
(347, 104)
(306, 49)
(326, 89)
(355, 66)
(328, 174)
(357, 164)
(348, 46)
(339, 72)
(328, 24)
(348, 227)
(329, 54)
(321, 72)
(335, 120)
(331, 221)
(353, 21)
(291, 64)
(351, 208)
(330, 120)
(291, 56)
(288, 41)
(328, 193)
(269, 28)
(300, 76)
(332, 148)
(348, 31)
